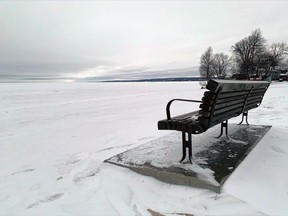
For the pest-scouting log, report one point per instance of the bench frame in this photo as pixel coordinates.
(187, 136)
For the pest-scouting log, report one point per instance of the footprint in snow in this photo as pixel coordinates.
(35, 187)
(70, 162)
(115, 147)
(76, 158)
(85, 174)
(145, 138)
(278, 149)
(23, 171)
(47, 199)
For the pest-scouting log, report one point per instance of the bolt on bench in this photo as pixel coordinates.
(224, 100)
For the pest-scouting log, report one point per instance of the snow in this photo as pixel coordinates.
(166, 151)
(55, 137)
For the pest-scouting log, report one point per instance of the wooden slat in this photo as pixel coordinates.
(225, 100)
(222, 111)
(195, 127)
(229, 114)
(209, 95)
(255, 102)
(232, 94)
(221, 105)
(205, 113)
(218, 110)
(229, 103)
(256, 94)
(172, 125)
(250, 106)
(207, 101)
(254, 98)
(176, 123)
(220, 118)
(260, 91)
(235, 85)
(182, 125)
(163, 125)
(204, 122)
(206, 107)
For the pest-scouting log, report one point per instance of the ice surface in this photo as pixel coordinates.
(54, 138)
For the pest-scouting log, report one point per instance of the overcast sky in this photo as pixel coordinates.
(126, 39)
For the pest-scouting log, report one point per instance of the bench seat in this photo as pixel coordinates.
(224, 99)
(186, 123)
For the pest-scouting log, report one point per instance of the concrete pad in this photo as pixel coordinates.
(214, 159)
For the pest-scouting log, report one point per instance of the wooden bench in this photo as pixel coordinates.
(224, 100)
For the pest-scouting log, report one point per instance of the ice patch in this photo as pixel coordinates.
(234, 141)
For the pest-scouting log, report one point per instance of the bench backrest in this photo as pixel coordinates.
(228, 98)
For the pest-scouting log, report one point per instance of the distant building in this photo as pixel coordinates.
(284, 76)
(275, 74)
(240, 77)
(280, 74)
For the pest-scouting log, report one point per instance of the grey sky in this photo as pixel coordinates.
(70, 39)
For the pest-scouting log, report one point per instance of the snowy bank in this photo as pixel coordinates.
(54, 138)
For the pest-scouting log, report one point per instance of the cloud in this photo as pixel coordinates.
(102, 70)
(130, 72)
(39, 71)
(57, 39)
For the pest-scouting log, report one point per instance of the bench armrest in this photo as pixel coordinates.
(171, 101)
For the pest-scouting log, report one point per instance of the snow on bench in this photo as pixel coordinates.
(224, 100)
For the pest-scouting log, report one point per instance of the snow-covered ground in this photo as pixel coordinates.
(55, 137)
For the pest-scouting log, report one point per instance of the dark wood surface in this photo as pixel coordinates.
(224, 100)
(235, 85)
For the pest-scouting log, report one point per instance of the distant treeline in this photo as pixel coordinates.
(174, 79)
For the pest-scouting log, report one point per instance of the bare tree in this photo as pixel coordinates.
(284, 63)
(206, 62)
(246, 51)
(220, 65)
(278, 51)
(272, 58)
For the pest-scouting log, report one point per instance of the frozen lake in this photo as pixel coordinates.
(54, 138)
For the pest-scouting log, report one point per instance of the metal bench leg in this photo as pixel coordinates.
(246, 115)
(186, 144)
(224, 124)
